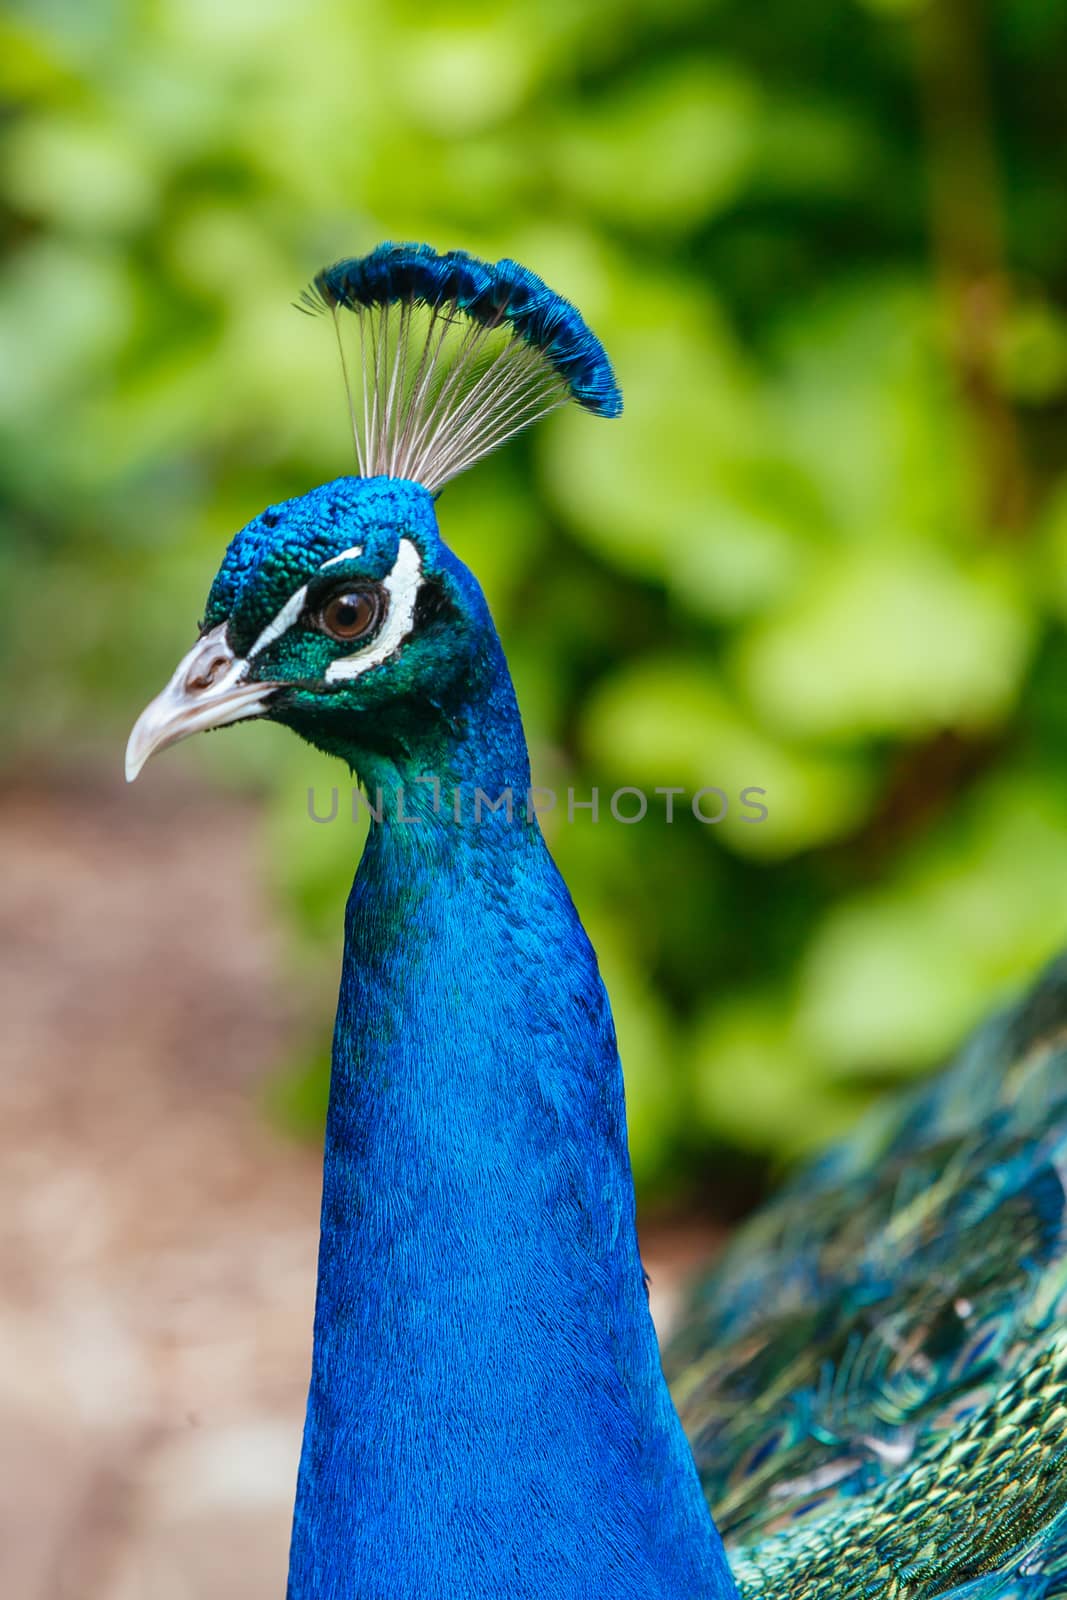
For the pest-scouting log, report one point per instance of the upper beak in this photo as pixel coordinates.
(207, 691)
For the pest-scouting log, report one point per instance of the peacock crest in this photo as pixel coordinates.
(452, 356)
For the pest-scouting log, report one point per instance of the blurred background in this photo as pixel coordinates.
(823, 553)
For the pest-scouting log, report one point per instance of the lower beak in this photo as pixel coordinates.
(208, 690)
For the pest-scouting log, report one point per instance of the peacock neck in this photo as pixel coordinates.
(487, 1415)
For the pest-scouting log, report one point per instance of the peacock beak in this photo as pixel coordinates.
(208, 690)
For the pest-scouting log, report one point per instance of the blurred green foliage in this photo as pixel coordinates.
(824, 552)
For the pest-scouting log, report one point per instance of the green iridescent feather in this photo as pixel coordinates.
(874, 1379)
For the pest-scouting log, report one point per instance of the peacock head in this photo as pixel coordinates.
(341, 613)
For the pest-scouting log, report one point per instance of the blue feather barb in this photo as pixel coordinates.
(455, 356)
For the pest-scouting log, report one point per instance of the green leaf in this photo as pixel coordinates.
(895, 975)
(754, 1083)
(897, 641)
(669, 721)
(666, 150)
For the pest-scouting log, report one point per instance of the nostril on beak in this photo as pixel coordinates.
(204, 674)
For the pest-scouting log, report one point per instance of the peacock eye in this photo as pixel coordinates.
(350, 615)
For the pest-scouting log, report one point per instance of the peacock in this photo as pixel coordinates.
(870, 1388)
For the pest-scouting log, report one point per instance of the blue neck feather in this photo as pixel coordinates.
(487, 1415)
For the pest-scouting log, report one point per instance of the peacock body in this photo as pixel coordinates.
(872, 1380)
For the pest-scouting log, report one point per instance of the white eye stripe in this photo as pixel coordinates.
(282, 622)
(294, 606)
(402, 586)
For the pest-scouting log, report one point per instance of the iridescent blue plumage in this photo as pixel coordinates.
(487, 1417)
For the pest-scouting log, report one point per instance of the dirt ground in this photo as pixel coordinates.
(157, 1235)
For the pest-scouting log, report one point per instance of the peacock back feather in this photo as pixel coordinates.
(874, 1380)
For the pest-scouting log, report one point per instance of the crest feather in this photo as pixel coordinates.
(455, 355)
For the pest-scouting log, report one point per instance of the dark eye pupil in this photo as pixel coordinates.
(348, 616)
